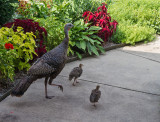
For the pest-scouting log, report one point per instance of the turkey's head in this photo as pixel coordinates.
(68, 26)
(80, 65)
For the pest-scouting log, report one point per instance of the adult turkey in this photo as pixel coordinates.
(48, 66)
(76, 73)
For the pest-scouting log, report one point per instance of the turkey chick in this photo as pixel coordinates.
(76, 73)
(95, 95)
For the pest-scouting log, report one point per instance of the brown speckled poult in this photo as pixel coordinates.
(95, 95)
(76, 73)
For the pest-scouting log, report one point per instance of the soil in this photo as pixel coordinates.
(6, 84)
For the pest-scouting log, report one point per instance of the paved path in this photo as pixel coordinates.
(130, 85)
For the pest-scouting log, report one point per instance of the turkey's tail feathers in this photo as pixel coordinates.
(22, 86)
(70, 77)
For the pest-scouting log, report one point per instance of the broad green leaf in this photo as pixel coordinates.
(96, 37)
(89, 48)
(95, 28)
(94, 50)
(85, 37)
(78, 44)
(83, 45)
(79, 55)
(100, 48)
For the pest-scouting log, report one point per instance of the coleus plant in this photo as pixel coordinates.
(29, 25)
(102, 19)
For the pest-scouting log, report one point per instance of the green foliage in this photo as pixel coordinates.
(6, 61)
(85, 39)
(72, 10)
(6, 10)
(138, 19)
(131, 33)
(23, 43)
(55, 31)
(64, 10)
(35, 9)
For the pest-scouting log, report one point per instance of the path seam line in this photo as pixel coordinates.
(140, 56)
(117, 87)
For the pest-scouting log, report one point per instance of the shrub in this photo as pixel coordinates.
(65, 10)
(131, 33)
(55, 31)
(83, 39)
(29, 25)
(7, 10)
(32, 9)
(23, 44)
(138, 19)
(103, 19)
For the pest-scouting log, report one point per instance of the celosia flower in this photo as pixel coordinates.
(8, 46)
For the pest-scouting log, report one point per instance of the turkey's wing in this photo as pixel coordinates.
(40, 68)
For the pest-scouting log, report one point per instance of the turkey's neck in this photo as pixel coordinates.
(66, 33)
(66, 40)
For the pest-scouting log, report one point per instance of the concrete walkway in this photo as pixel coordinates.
(130, 84)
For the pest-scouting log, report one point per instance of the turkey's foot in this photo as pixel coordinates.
(94, 105)
(73, 84)
(60, 87)
(77, 82)
(49, 97)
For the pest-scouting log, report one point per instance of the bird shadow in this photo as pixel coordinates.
(92, 108)
(23, 104)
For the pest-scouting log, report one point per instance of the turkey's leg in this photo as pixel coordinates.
(59, 86)
(75, 81)
(45, 83)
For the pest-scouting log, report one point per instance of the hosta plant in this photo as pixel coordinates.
(83, 37)
(102, 19)
(23, 44)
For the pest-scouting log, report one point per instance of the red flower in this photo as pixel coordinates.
(8, 46)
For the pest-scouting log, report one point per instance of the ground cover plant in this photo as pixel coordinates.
(138, 20)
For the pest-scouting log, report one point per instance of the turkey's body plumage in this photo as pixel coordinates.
(95, 95)
(75, 73)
